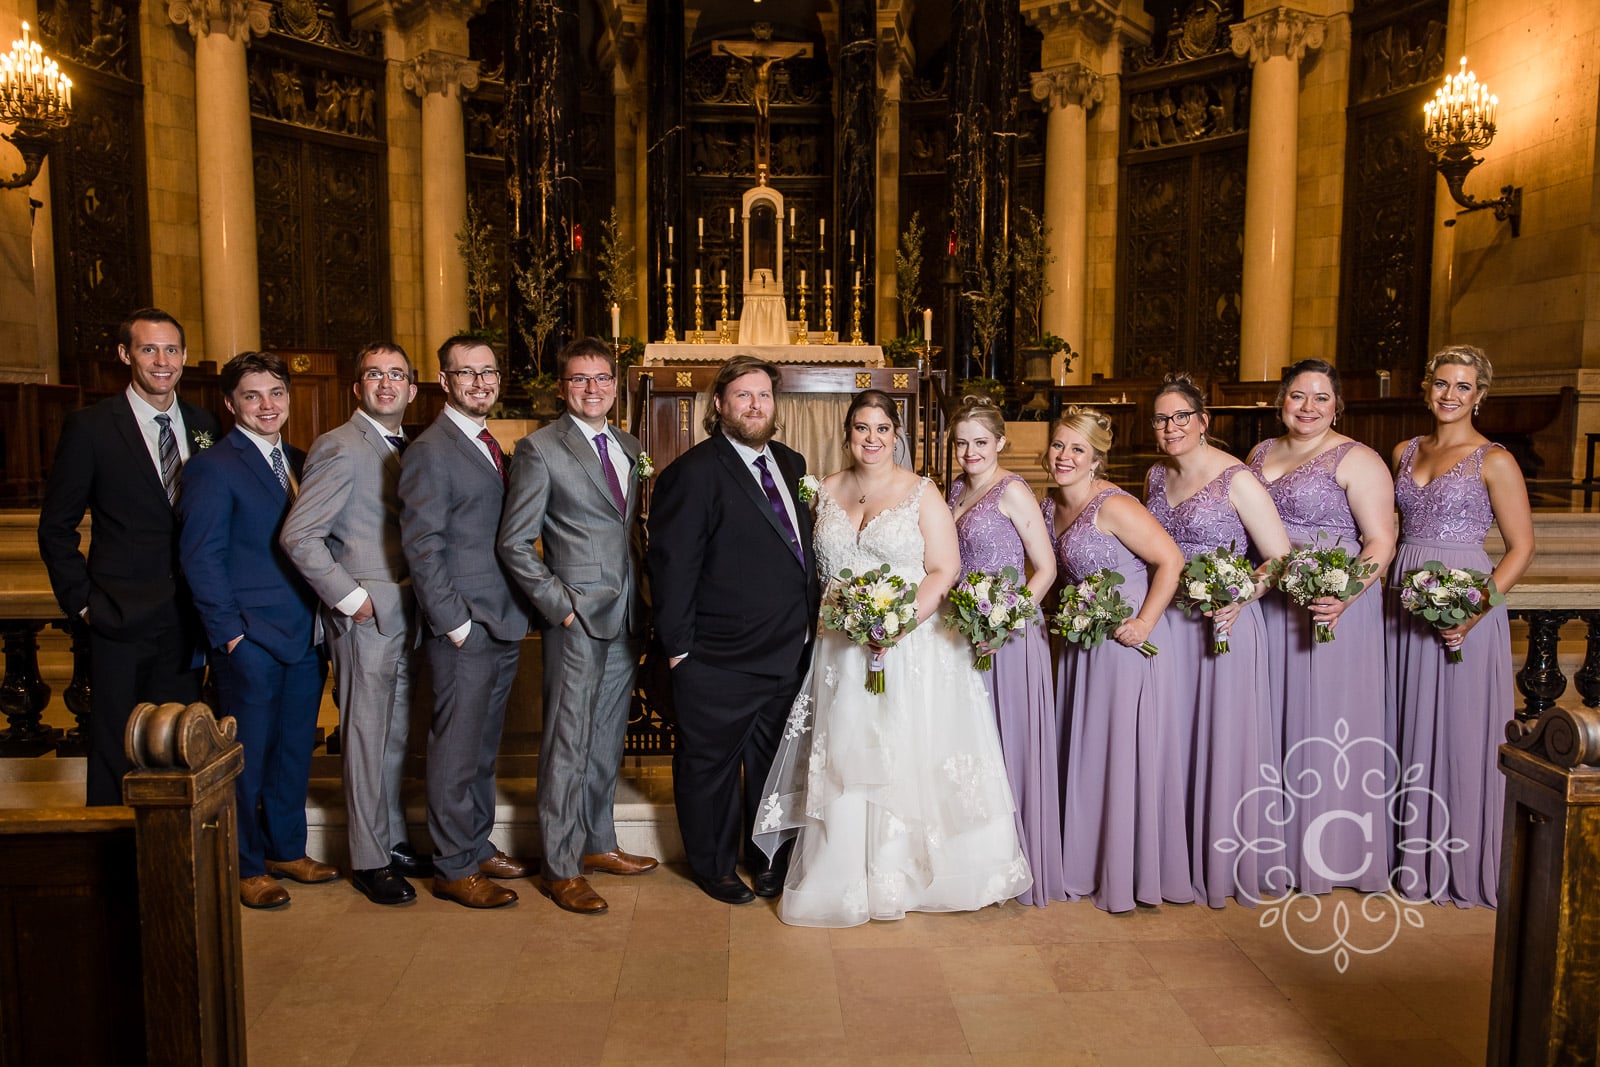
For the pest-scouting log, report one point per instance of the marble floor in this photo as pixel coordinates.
(669, 975)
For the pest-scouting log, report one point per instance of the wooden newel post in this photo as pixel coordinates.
(181, 791)
(1545, 1008)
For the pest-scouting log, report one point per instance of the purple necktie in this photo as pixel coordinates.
(617, 496)
(778, 509)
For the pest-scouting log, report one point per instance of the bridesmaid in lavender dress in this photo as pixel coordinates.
(1124, 822)
(1450, 485)
(998, 525)
(1206, 499)
(1337, 741)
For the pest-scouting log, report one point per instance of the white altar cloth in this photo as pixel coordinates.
(656, 355)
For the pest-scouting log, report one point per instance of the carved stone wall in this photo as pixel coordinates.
(97, 183)
(1397, 58)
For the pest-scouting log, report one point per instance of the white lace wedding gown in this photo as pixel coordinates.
(899, 801)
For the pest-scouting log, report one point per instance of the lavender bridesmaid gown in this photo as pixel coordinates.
(1229, 703)
(1451, 716)
(1339, 761)
(1124, 818)
(1020, 687)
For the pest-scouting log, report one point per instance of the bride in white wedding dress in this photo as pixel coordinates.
(896, 802)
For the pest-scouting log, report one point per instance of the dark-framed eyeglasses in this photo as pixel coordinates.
(1177, 418)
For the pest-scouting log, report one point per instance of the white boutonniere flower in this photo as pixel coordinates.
(201, 439)
(810, 485)
(646, 466)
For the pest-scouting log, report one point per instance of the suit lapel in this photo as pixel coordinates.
(252, 458)
(791, 478)
(474, 455)
(133, 440)
(377, 442)
(745, 479)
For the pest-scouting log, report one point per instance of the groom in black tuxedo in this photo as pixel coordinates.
(734, 585)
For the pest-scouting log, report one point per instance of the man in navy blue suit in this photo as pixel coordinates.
(260, 620)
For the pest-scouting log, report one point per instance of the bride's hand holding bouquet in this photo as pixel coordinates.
(876, 609)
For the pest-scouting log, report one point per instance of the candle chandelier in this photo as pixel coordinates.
(36, 99)
(1457, 122)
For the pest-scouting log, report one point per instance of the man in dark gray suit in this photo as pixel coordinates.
(343, 535)
(452, 487)
(574, 489)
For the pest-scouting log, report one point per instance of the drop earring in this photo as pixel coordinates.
(1475, 409)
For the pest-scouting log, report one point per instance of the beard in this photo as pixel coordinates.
(750, 432)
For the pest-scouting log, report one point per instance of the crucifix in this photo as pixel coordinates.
(758, 57)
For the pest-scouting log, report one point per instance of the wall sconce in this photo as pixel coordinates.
(1458, 121)
(36, 98)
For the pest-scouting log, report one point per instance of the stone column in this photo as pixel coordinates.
(1068, 92)
(1275, 41)
(230, 289)
(439, 77)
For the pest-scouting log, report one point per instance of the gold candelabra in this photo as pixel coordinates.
(724, 335)
(855, 312)
(828, 336)
(699, 335)
(672, 333)
(802, 335)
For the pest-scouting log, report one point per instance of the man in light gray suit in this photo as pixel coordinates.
(574, 489)
(452, 487)
(343, 535)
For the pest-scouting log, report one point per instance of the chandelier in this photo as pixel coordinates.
(36, 99)
(1457, 122)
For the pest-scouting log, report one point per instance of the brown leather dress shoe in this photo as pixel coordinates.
(574, 894)
(618, 862)
(305, 870)
(260, 891)
(501, 865)
(474, 891)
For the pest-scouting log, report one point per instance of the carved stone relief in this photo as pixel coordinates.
(287, 91)
(1201, 31)
(95, 35)
(1192, 111)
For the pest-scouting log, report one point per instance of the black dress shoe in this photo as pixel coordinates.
(769, 883)
(383, 885)
(405, 861)
(729, 889)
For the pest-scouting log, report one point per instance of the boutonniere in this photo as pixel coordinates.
(645, 467)
(201, 439)
(810, 485)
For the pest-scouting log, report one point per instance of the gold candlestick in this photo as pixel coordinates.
(828, 336)
(724, 335)
(855, 312)
(699, 335)
(672, 334)
(801, 336)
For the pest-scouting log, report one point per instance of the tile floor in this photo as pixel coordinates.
(669, 975)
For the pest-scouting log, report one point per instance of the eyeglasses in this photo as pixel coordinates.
(466, 374)
(582, 380)
(1177, 418)
(394, 374)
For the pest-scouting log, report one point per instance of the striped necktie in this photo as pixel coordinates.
(167, 446)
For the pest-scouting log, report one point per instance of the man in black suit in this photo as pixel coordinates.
(122, 460)
(736, 595)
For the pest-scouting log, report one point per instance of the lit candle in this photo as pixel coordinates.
(927, 324)
(700, 225)
(616, 320)
(952, 242)
(577, 237)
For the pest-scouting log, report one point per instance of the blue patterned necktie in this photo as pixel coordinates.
(773, 498)
(279, 469)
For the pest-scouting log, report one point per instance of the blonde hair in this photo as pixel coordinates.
(1093, 426)
(1461, 356)
(981, 410)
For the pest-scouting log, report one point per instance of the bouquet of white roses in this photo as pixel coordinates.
(1092, 609)
(988, 608)
(1311, 572)
(876, 608)
(1213, 580)
(1447, 596)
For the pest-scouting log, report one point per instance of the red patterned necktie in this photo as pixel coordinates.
(495, 454)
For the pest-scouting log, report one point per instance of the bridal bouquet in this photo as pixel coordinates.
(876, 608)
(1447, 596)
(988, 609)
(1308, 573)
(1213, 580)
(1092, 609)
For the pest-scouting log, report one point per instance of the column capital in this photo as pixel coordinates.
(438, 72)
(239, 19)
(1070, 83)
(1284, 31)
